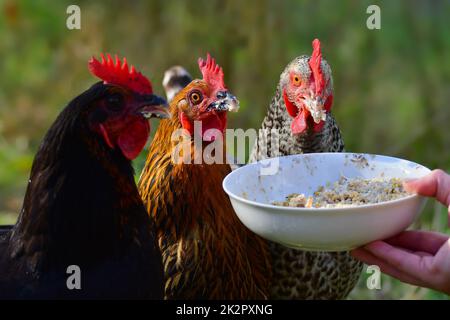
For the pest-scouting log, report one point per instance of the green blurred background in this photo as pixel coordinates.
(391, 85)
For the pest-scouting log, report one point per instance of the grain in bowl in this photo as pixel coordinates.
(348, 192)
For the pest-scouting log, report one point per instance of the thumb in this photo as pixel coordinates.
(436, 184)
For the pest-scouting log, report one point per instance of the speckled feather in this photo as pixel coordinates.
(301, 274)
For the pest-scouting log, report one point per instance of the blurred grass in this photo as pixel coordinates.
(7, 218)
(391, 85)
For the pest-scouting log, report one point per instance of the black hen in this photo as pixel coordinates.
(82, 206)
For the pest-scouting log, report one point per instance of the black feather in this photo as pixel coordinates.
(81, 208)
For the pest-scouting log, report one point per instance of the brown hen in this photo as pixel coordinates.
(207, 252)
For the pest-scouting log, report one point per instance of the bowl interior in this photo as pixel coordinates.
(272, 180)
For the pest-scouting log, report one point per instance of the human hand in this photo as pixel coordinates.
(436, 185)
(416, 257)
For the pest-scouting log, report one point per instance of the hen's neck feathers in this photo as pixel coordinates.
(201, 237)
(81, 202)
(189, 180)
(267, 145)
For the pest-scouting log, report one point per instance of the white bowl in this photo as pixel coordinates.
(254, 187)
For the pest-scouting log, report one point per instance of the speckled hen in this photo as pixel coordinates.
(299, 120)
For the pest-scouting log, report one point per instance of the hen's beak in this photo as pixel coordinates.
(153, 106)
(225, 102)
(315, 106)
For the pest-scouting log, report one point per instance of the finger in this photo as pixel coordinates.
(423, 254)
(425, 241)
(418, 253)
(368, 258)
(435, 184)
(406, 262)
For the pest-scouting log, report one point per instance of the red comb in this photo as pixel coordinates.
(314, 64)
(212, 73)
(119, 74)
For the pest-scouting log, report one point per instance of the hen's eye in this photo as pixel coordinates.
(115, 102)
(195, 97)
(296, 80)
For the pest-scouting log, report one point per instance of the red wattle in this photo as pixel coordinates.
(290, 107)
(299, 124)
(186, 123)
(318, 126)
(328, 103)
(106, 136)
(216, 121)
(133, 139)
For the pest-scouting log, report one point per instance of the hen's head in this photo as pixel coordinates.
(206, 101)
(307, 89)
(123, 104)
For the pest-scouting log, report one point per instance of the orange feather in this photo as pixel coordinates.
(207, 252)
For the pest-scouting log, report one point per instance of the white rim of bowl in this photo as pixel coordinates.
(311, 210)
